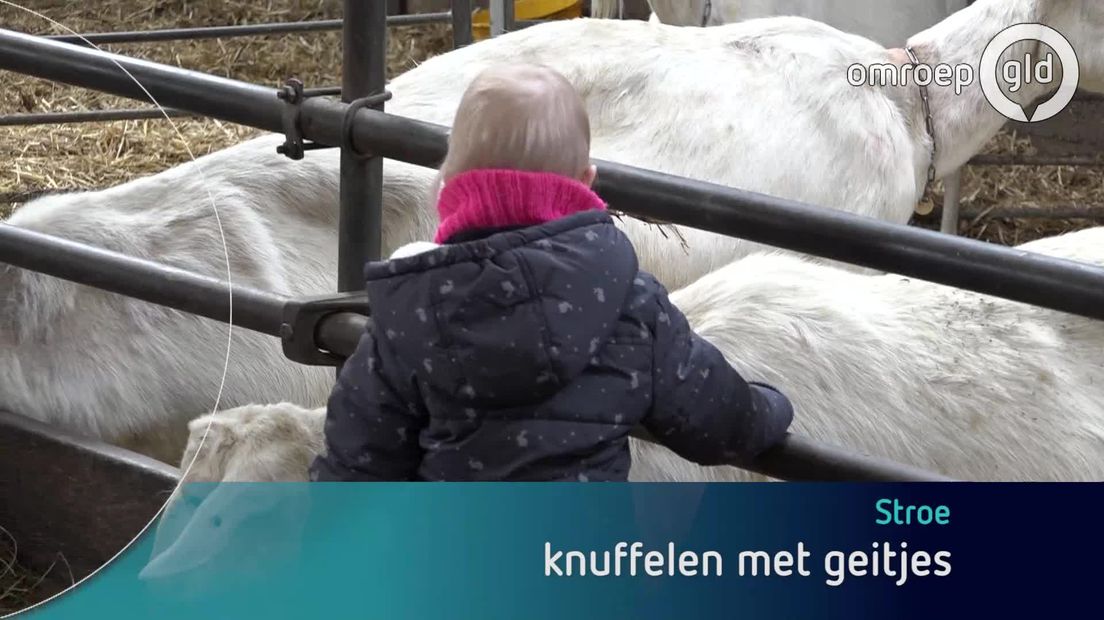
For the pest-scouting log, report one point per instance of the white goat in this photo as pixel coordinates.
(972, 386)
(132, 373)
(122, 370)
(889, 22)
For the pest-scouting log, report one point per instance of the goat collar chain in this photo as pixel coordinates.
(707, 13)
(928, 122)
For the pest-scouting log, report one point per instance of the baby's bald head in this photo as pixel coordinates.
(520, 117)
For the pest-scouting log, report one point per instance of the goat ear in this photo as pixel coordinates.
(214, 433)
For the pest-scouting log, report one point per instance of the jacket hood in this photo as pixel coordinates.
(506, 320)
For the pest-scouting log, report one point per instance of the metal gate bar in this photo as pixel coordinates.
(364, 59)
(89, 116)
(249, 30)
(461, 23)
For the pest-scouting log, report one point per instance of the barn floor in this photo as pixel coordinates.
(105, 154)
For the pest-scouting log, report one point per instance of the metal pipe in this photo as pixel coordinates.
(204, 32)
(461, 23)
(167, 286)
(364, 53)
(90, 116)
(123, 114)
(502, 16)
(247, 30)
(413, 19)
(159, 284)
(800, 459)
(1036, 160)
(1008, 273)
(323, 91)
(1049, 212)
(209, 95)
(341, 333)
(795, 459)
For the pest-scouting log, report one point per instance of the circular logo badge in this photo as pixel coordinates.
(1019, 72)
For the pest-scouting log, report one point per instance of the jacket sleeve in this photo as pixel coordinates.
(371, 429)
(703, 409)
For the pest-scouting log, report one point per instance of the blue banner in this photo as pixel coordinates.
(482, 551)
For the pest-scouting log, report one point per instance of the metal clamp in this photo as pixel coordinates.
(293, 95)
(350, 115)
(299, 328)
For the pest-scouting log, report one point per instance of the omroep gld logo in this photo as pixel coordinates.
(1018, 72)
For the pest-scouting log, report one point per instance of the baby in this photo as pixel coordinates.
(528, 344)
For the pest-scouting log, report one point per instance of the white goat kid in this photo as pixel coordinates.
(254, 443)
(955, 382)
(132, 373)
(126, 371)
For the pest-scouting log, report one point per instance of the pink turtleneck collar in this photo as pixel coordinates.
(504, 198)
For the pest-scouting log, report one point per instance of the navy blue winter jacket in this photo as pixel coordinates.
(530, 355)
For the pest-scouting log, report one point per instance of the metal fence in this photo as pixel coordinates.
(459, 17)
(323, 331)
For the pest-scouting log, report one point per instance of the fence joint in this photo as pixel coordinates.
(347, 123)
(301, 318)
(294, 146)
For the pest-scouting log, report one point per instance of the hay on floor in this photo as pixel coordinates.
(95, 155)
(21, 587)
(989, 190)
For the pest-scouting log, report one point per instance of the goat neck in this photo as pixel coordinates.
(965, 122)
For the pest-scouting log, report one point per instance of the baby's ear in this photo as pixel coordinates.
(590, 175)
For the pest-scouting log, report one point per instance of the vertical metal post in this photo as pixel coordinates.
(952, 196)
(502, 17)
(461, 23)
(364, 57)
(363, 73)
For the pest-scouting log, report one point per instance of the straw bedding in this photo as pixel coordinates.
(92, 155)
(20, 587)
(987, 188)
